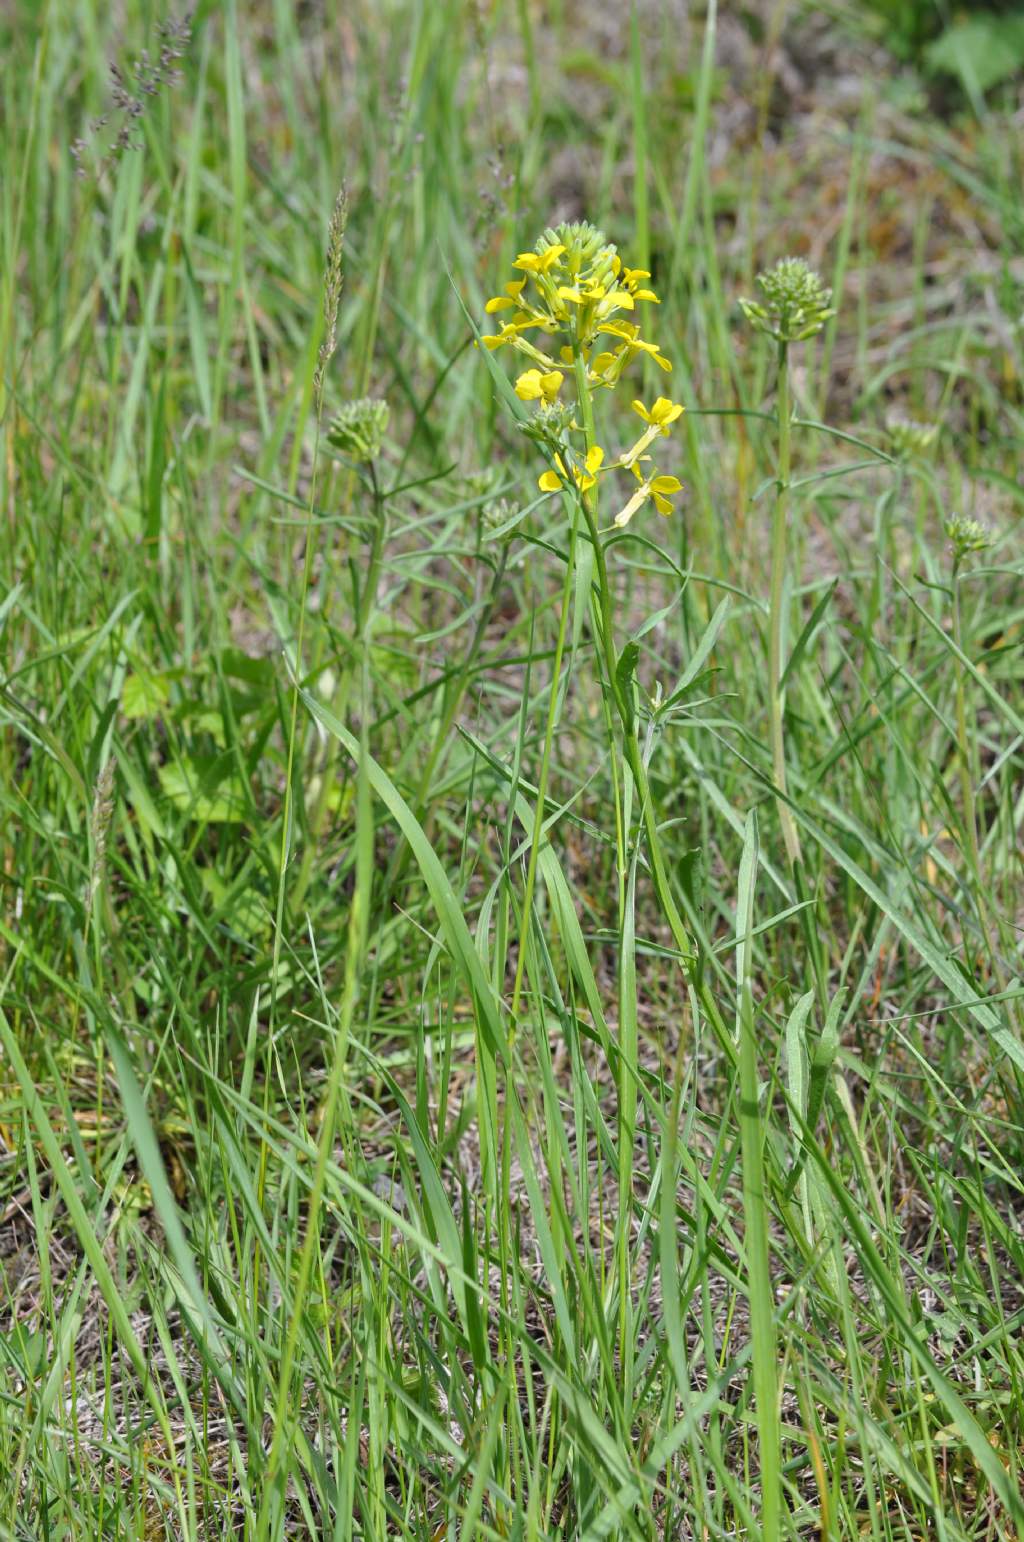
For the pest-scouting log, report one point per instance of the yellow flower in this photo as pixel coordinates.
(534, 385)
(657, 487)
(659, 420)
(550, 482)
(501, 302)
(580, 296)
(662, 413)
(508, 334)
(633, 344)
(532, 262)
(631, 278)
(615, 300)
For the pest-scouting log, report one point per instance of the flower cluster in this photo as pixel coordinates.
(966, 536)
(909, 437)
(358, 429)
(796, 302)
(574, 289)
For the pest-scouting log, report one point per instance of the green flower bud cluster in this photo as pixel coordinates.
(586, 250)
(498, 512)
(909, 437)
(965, 536)
(550, 424)
(358, 429)
(796, 302)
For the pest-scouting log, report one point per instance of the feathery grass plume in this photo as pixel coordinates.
(100, 816)
(138, 82)
(333, 280)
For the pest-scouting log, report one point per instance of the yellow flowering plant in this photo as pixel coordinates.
(572, 310)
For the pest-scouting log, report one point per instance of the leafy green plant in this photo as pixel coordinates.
(980, 47)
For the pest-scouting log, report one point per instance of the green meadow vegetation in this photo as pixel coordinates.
(511, 732)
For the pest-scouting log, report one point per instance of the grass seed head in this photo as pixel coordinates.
(333, 280)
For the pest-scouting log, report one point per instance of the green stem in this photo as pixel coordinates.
(634, 759)
(623, 706)
(776, 704)
(967, 789)
(542, 783)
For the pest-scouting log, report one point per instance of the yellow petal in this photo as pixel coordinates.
(619, 329)
(550, 257)
(661, 504)
(665, 411)
(666, 485)
(528, 386)
(551, 383)
(641, 410)
(500, 302)
(549, 482)
(594, 458)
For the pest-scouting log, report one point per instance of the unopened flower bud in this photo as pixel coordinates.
(358, 429)
(966, 535)
(909, 437)
(796, 302)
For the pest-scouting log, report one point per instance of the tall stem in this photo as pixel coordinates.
(776, 704)
(542, 783)
(631, 747)
(967, 778)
